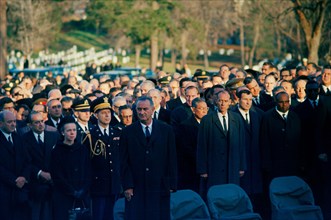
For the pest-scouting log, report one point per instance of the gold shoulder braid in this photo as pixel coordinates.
(99, 147)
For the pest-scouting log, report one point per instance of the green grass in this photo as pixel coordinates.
(83, 41)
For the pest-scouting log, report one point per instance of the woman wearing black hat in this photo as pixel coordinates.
(70, 170)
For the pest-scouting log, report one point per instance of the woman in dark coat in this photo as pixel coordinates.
(70, 170)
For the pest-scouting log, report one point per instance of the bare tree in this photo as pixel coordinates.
(32, 23)
(311, 16)
(3, 39)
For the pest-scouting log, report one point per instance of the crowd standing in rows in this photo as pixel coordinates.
(94, 141)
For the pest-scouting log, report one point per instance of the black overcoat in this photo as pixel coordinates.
(219, 155)
(14, 162)
(280, 144)
(150, 168)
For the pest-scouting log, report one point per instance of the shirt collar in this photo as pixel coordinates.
(282, 113)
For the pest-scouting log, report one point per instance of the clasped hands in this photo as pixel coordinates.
(20, 181)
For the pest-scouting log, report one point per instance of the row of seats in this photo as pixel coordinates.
(291, 199)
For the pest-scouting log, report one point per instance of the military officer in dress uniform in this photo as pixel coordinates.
(104, 150)
(82, 114)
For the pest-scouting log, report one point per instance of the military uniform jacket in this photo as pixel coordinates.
(105, 162)
(81, 134)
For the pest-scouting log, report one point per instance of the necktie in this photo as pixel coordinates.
(155, 115)
(10, 140)
(257, 100)
(246, 119)
(105, 132)
(328, 91)
(284, 117)
(147, 133)
(315, 104)
(85, 128)
(39, 140)
(224, 125)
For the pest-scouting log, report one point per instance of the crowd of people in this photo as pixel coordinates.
(87, 143)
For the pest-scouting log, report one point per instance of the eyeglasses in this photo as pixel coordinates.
(56, 106)
(203, 109)
(127, 116)
(38, 122)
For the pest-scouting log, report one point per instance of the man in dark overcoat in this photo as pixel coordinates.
(148, 165)
(105, 162)
(39, 144)
(280, 139)
(186, 142)
(251, 182)
(14, 171)
(221, 145)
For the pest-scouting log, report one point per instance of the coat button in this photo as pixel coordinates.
(147, 169)
(147, 152)
(111, 170)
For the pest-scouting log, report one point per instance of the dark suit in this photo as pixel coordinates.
(50, 122)
(221, 155)
(150, 168)
(164, 115)
(265, 101)
(174, 103)
(251, 182)
(323, 93)
(323, 146)
(186, 141)
(14, 162)
(41, 189)
(280, 144)
(179, 115)
(114, 121)
(105, 172)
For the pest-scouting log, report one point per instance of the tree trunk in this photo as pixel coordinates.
(313, 33)
(173, 58)
(313, 51)
(205, 58)
(255, 41)
(242, 42)
(154, 50)
(184, 36)
(138, 51)
(3, 39)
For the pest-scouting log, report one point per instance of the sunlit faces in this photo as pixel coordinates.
(55, 108)
(225, 72)
(190, 94)
(69, 132)
(37, 123)
(326, 77)
(269, 83)
(155, 95)
(144, 111)
(254, 88)
(82, 116)
(8, 125)
(288, 87)
(126, 116)
(103, 116)
(200, 110)
(300, 87)
(245, 102)
(223, 102)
